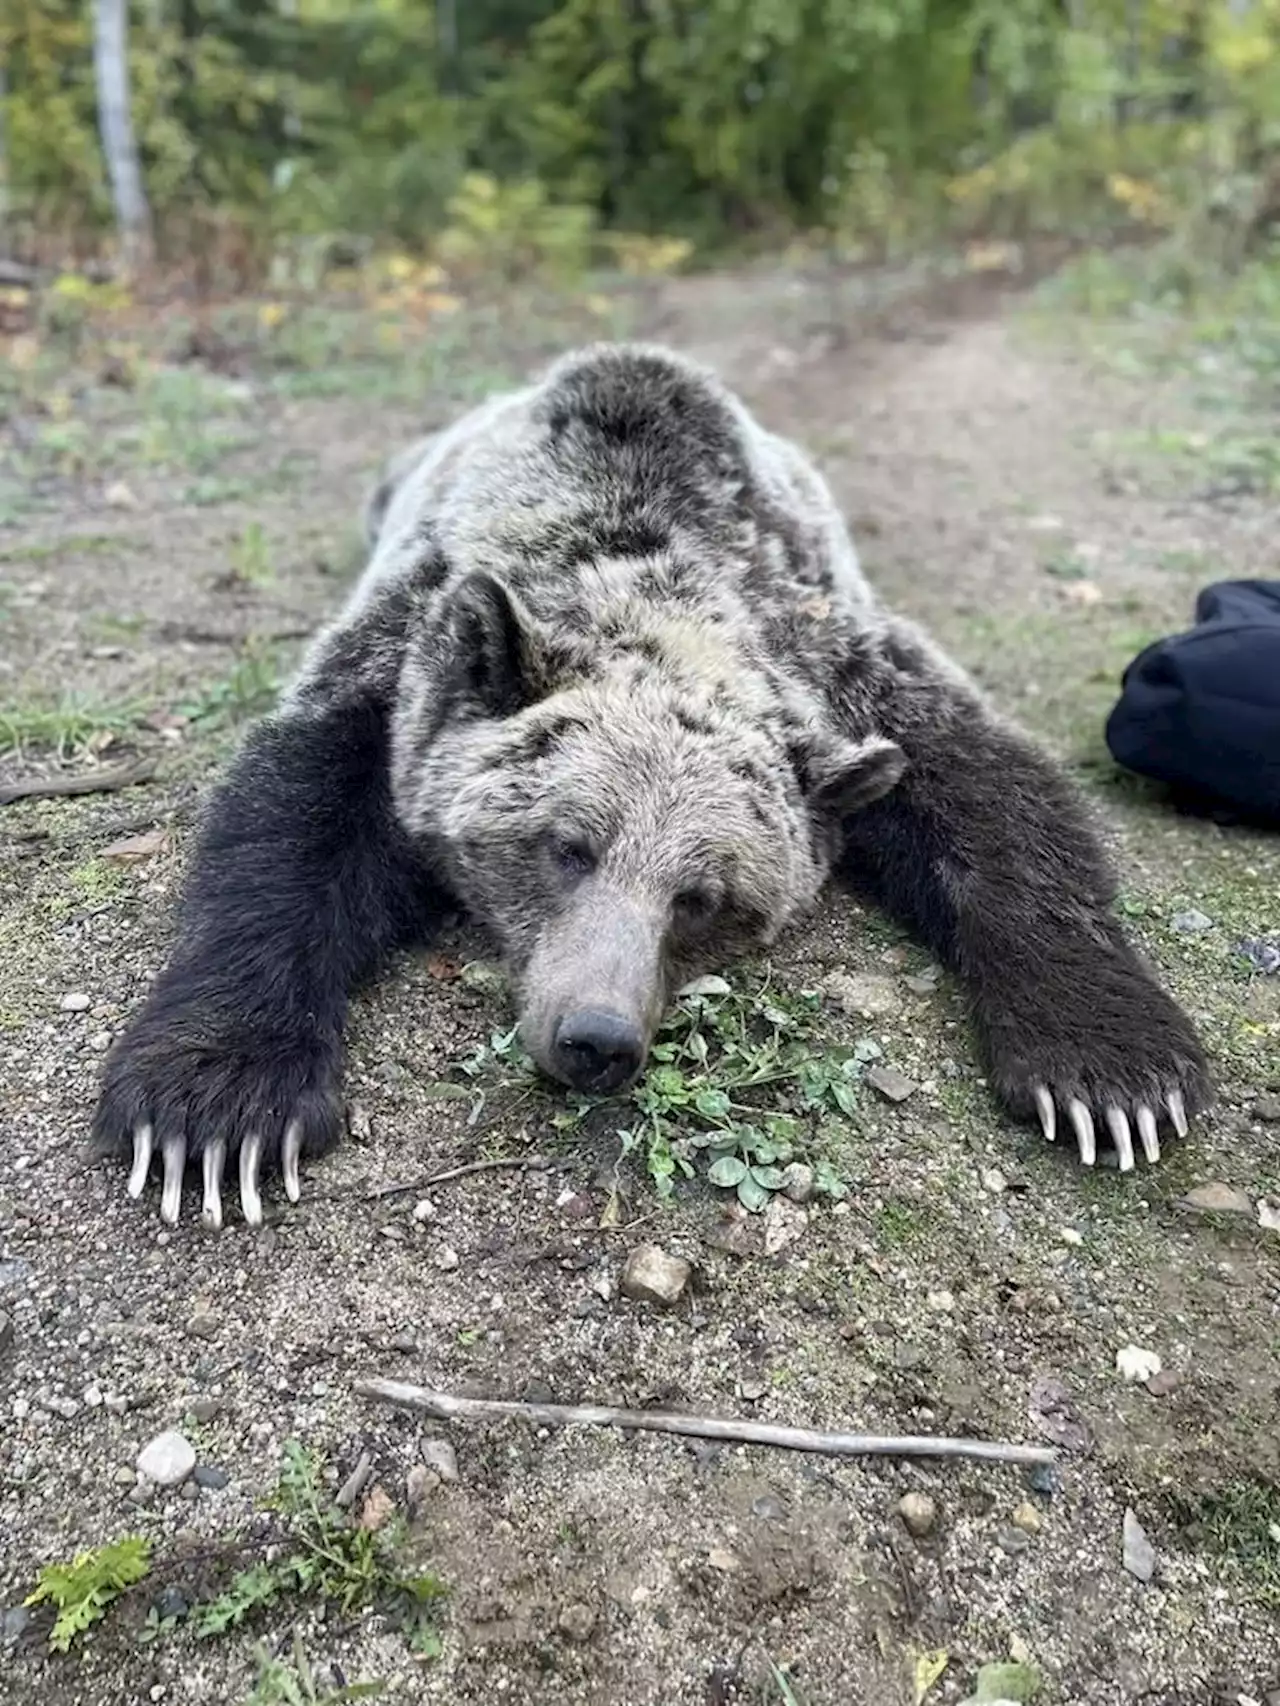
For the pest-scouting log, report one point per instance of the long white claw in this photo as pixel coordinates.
(1150, 1137)
(290, 1155)
(1082, 1121)
(214, 1160)
(142, 1146)
(174, 1151)
(1118, 1126)
(250, 1163)
(1178, 1112)
(1047, 1112)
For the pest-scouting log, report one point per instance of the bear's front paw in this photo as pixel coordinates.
(1101, 1044)
(187, 1086)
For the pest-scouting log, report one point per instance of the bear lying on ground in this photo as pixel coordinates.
(614, 682)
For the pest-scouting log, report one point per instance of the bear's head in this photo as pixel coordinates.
(620, 825)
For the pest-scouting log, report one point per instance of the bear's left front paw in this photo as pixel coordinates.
(1099, 1041)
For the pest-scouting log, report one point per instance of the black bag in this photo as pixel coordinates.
(1201, 711)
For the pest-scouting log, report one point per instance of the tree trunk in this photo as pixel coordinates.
(115, 121)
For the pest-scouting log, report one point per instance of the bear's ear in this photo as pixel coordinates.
(841, 777)
(491, 656)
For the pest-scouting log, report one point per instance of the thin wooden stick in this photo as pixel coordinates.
(107, 781)
(529, 1161)
(448, 1407)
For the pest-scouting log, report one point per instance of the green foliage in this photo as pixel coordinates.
(281, 1683)
(739, 1084)
(336, 125)
(324, 1556)
(83, 1589)
(1239, 1523)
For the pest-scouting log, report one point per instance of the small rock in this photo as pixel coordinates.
(76, 1002)
(424, 1210)
(438, 1454)
(651, 1276)
(447, 1259)
(720, 1558)
(1012, 1541)
(211, 1479)
(355, 1483)
(142, 1493)
(1267, 1109)
(170, 1602)
(119, 496)
(6, 1331)
(92, 1396)
(1268, 1217)
(1214, 1197)
(13, 1621)
(420, 1483)
(893, 1086)
(942, 1301)
(602, 1285)
(1042, 1478)
(863, 995)
(205, 1409)
(167, 1459)
(100, 1042)
(753, 1387)
(403, 1342)
(117, 1403)
(1027, 1518)
(358, 1122)
(202, 1325)
(918, 1513)
(993, 1180)
(1139, 1555)
(378, 1508)
(769, 1509)
(189, 1491)
(577, 1622)
(1163, 1383)
(1191, 923)
(797, 1182)
(1069, 1235)
(124, 1476)
(59, 1404)
(1135, 1363)
(784, 1223)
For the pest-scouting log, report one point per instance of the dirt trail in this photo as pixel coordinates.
(986, 474)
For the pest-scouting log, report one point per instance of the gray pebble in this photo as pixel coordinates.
(202, 1325)
(577, 1622)
(1267, 1109)
(125, 1477)
(167, 1459)
(1191, 923)
(1013, 1541)
(1042, 1478)
(172, 1602)
(797, 1181)
(14, 1272)
(439, 1455)
(1138, 1554)
(210, 1478)
(893, 1086)
(205, 1409)
(918, 1512)
(13, 1620)
(76, 1002)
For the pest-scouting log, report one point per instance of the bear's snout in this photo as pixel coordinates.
(596, 1050)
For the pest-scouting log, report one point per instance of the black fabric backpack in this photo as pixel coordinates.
(1200, 711)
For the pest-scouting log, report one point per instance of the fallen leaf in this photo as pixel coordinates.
(1053, 1411)
(1135, 1363)
(704, 986)
(1216, 1198)
(135, 848)
(378, 1506)
(611, 1214)
(929, 1667)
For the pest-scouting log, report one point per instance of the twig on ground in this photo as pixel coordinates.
(528, 1162)
(447, 1406)
(107, 781)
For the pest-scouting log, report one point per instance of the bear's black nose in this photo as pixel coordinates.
(597, 1050)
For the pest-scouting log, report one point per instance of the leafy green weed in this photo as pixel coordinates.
(83, 1589)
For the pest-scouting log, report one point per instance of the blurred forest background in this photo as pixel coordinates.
(241, 142)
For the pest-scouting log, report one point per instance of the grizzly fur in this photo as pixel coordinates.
(613, 680)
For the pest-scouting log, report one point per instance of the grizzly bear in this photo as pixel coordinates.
(613, 682)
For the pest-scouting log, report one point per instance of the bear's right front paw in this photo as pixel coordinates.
(175, 1085)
